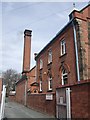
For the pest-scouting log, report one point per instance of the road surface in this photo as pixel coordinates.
(15, 110)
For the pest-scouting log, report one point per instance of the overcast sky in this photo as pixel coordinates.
(45, 19)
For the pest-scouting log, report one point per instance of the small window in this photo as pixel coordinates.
(41, 64)
(64, 77)
(50, 83)
(49, 56)
(63, 47)
(40, 85)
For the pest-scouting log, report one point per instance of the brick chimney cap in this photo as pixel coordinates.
(27, 32)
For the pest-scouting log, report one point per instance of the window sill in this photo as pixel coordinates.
(49, 90)
(63, 55)
(40, 91)
(40, 68)
(49, 63)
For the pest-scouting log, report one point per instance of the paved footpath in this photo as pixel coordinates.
(16, 110)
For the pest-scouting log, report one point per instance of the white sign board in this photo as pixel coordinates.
(61, 100)
(12, 93)
(49, 96)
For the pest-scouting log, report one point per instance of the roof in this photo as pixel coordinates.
(85, 7)
(35, 84)
(24, 77)
(61, 31)
(75, 10)
(28, 70)
(32, 68)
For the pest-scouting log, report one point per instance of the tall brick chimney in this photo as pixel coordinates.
(27, 50)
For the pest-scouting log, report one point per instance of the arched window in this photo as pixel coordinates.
(41, 85)
(64, 76)
(49, 83)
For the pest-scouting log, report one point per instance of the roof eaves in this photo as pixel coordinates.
(54, 38)
(85, 7)
(32, 68)
(35, 84)
(24, 77)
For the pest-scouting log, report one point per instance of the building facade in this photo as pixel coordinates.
(32, 84)
(62, 74)
(66, 59)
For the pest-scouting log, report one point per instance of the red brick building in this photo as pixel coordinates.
(65, 62)
(62, 71)
(66, 58)
(32, 84)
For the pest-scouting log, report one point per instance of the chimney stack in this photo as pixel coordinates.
(27, 50)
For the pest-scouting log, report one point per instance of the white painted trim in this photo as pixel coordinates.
(63, 43)
(50, 79)
(68, 103)
(40, 86)
(3, 103)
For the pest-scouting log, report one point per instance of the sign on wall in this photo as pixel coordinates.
(49, 96)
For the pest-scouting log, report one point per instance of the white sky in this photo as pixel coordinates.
(45, 19)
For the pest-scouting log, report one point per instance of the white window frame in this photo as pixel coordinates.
(49, 83)
(64, 76)
(63, 47)
(40, 85)
(41, 64)
(49, 56)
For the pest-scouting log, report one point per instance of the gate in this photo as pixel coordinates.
(63, 109)
(3, 103)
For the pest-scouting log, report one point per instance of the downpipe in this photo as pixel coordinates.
(76, 52)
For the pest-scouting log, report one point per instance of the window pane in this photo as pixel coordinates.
(63, 47)
(49, 56)
(41, 63)
(40, 85)
(50, 83)
(64, 77)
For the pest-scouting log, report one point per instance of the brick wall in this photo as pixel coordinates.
(39, 103)
(80, 98)
(31, 76)
(12, 98)
(80, 101)
(89, 100)
(20, 92)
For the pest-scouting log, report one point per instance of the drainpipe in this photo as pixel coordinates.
(76, 51)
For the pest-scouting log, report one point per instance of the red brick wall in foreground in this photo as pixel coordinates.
(39, 102)
(80, 101)
(12, 98)
(20, 92)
